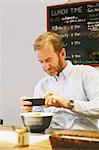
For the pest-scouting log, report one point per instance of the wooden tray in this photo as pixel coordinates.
(75, 140)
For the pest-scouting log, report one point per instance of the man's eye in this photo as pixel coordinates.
(47, 60)
(40, 61)
(50, 59)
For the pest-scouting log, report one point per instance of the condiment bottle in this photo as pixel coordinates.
(23, 138)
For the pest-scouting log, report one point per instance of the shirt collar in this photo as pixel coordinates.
(65, 72)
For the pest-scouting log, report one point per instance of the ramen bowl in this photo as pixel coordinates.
(36, 121)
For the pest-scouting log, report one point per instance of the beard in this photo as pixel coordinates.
(55, 70)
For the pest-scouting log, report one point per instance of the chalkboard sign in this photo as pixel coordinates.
(78, 25)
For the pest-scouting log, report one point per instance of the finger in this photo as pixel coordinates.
(49, 101)
(23, 102)
(26, 108)
(52, 101)
(23, 98)
(47, 94)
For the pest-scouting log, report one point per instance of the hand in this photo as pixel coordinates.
(52, 99)
(26, 106)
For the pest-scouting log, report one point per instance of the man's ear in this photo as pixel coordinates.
(63, 52)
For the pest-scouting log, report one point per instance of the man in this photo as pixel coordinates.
(70, 91)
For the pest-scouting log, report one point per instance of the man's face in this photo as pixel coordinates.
(51, 61)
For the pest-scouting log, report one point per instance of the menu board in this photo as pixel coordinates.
(78, 25)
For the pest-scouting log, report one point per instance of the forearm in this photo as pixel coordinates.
(87, 108)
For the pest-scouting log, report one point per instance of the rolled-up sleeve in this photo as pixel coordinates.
(90, 80)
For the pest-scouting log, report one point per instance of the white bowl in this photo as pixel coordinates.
(36, 121)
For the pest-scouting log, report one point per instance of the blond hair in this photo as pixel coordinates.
(49, 37)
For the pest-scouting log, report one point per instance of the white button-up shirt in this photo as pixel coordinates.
(76, 82)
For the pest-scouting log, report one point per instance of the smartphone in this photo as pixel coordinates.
(36, 101)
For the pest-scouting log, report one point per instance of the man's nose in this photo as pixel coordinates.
(46, 65)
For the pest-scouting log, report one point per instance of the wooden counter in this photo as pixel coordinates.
(45, 145)
(74, 142)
